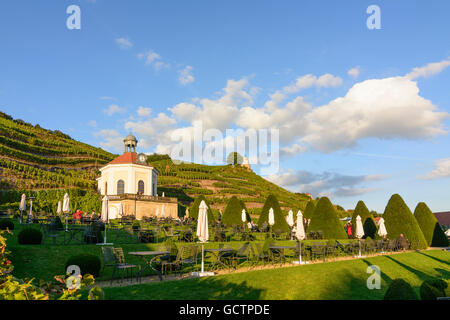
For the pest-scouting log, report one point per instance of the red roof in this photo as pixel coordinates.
(127, 157)
(443, 218)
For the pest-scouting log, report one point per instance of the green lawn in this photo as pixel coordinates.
(333, 280)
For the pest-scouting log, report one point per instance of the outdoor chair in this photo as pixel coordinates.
(262, 256)
(50, 231)
(242, 255)
(318, 251)
(109, 260)
(330, 251)
(121, 265)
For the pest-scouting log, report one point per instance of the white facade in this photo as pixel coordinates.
(130, 175)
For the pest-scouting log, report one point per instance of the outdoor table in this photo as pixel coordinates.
(73, 231)
(149, 257)
(282, 249)
(217, 254)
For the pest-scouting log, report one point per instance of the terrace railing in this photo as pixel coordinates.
(129, 196)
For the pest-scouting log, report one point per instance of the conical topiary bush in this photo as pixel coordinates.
(280, 221)
(399, 219)
(430, 227)
(362, 211)
(232, 215)
(193, 212)
(309, 210)
(325, 219)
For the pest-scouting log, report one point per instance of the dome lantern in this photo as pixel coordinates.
(130, 143)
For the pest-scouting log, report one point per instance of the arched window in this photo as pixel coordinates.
(141, 187)
(120, 187)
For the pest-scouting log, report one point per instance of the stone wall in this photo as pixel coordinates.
(147, 208)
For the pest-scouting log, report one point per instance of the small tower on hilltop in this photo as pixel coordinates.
(246, 164)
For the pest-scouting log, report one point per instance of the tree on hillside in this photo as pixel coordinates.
(234, 158)
(280, 221)
(362, 211)
(232, 215)
(325, 219)
(193, 211)
(434, 235)
(310, 207)
(400, 220)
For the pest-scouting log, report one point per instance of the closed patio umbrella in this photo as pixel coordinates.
(359, 233)
(300, 234)
(120, 213)
(271, 220)
(203, 233)
(66, 206)
(290, 219)
(59, 208)
(105, 218)
(382, 232)
(23, 206)
(187, 213)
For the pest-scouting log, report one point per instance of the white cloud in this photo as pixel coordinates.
(153, 59)
(144, 112)
(112, 140)
(324, 184)
(428, 70)
(441, 170)
(124, 43)
(186, 76)
(354, 72)
(382, 108)
(92, 123)
(113, 109)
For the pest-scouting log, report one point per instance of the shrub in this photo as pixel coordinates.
(399, 219)
(399, 289)
(30, 236)
(370, 228)
(193, 212)
(88, 263)
(280, 221)
(325, 219)
(432, 289)
(430, 227)
(232, 215)
(309, 211)
(361, 210)
(6, 224)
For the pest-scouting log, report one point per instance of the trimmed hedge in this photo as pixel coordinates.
(88, 263)
(325, 219)
(399, 219)
(232, 215)
(434, 235)
(30, 236)
(364, 213)
(193, 211)
(399, 289)
(6, 224)
(280, 221)
(432, 289)
(309, 211)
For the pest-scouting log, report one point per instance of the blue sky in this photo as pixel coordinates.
(150, 67)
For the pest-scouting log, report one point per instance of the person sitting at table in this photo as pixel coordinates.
(403, 242)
